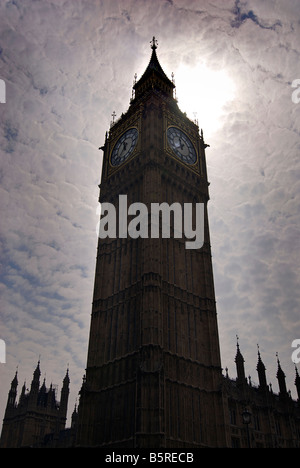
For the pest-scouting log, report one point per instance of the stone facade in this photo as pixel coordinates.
(273, 420)
(37, 413)
(153, 371)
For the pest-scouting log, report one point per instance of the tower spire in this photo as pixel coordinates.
(154, 77)
(35, 384)
(261, 370)
(12, 395)
(240, 368)
(142, 404)
(64, 396)
(281, 379)
(154, 43)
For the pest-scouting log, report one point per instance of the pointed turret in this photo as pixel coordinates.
(74, 417)
(64, 396)
(14, 382)
(42, 396)
(35, 384)
(51, 400)
(297, 383)
(240, 368)
(36, 376)
(154, 77)
(261, 370)
(23, 395)
(281, 380)
(12, 394)
(66, 380)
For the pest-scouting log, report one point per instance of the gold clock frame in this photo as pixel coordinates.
(115, 135)
(193, 137)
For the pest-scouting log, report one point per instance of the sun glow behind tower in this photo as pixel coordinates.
(203, 94)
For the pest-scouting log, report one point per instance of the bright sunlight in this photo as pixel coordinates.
(202, 94)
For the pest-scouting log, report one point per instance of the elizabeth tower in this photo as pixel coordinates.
(153, 376)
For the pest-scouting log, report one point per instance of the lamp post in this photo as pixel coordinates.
(247, 420)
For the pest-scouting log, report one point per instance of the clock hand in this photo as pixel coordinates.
(124, 148)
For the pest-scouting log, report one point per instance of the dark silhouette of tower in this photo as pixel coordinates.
(153, 375)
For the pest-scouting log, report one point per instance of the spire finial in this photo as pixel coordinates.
(154, 43)
(258, 352)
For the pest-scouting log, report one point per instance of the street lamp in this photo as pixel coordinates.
(247, 420)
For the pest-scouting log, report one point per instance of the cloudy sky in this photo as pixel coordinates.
(67, 65)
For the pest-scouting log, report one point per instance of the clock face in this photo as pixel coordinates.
(124, 146)
(181, 145)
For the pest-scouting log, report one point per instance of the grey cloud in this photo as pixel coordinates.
(242, 14)
(67, 67)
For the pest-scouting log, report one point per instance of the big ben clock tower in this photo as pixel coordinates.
(153, 375)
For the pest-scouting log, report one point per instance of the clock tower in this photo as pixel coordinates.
(153, 375)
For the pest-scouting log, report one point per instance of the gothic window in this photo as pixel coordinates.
(256, 422)
(232, 416)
